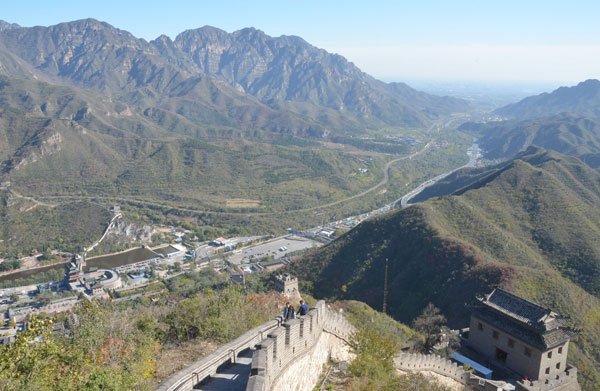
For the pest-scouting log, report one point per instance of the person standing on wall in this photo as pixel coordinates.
(288, 312)
(303, 309)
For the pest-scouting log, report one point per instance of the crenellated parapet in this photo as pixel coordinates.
(305, 342)
(412, 362)
(191, 375)
(283, 350)
(566, 381)
(427, 362)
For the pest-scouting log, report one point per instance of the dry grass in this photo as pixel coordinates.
(241, 203)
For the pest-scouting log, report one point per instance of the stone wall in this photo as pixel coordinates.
(442, 366)
(428, 362)
(289, 355)
(566, 381)
(292, 356)
(191, 375)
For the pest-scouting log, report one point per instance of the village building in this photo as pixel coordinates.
(171, 251)
(523, 337)
(238, 278)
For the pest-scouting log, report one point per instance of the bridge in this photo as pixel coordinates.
(271, 356)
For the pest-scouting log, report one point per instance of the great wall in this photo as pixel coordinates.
(425, 362)
(410, 362)
(291, 355)
(281, 351)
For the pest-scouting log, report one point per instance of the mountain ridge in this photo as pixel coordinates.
(531, 227)
(566, 133)
(582, 99)
(283, 73)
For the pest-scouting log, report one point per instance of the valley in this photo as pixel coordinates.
(286, 219)
(162, 197)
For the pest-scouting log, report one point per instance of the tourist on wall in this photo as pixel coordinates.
(288, 312)
(303, 309)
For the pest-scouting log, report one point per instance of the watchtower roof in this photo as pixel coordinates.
(516, 307)
(530, 322)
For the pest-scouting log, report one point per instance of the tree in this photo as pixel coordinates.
(373, 367)
(430, 322)
(177, 267)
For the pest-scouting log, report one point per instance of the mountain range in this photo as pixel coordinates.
(570, 134)
(87, 109)
(566, 120)
(530, 225)
(244, 79)
(581, 100)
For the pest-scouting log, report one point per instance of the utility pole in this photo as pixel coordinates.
(385, 287)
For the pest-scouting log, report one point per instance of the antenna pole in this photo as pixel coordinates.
(385, 287)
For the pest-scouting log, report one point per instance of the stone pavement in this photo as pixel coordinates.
(234, 377)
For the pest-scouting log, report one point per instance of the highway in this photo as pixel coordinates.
(474, 153)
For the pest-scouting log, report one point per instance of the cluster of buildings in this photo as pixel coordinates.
(84, 282)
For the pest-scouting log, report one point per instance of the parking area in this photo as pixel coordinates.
(275, 248)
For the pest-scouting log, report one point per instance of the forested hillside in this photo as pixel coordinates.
(532, 227)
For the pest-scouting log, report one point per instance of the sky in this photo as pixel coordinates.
(394, 40)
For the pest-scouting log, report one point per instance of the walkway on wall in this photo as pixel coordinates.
(234, 377)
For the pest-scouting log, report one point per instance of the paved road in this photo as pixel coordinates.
(233, 378)
(384, 181)
(474, 154)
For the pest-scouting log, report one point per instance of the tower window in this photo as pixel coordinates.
(550, 354)
(480, 326)
(495, 334)
(511, 343)
(527, 352)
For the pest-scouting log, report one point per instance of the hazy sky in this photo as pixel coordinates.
(531, 40)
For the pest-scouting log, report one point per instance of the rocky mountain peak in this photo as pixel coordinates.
(267, 73)
(7, 26)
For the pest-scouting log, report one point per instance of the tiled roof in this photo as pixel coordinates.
(541, 340)
(518, 308)
(527, 321)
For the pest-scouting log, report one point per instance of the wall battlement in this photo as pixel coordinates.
(300, 346)
(191, 375)
(282, 347)
(426, 362)
(433, 363)
(567, 381)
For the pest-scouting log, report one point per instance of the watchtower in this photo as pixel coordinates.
(528, 339)
(287, 285)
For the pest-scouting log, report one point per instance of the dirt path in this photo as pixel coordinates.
(36, 203)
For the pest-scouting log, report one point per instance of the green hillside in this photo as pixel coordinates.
(582, 99)
(89, 112)
(28, 225)
(533, 228)
(566, 133)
